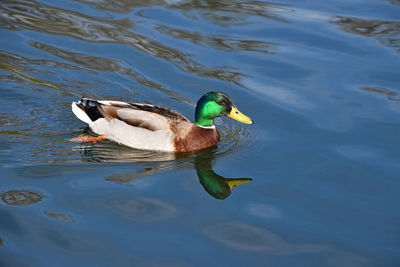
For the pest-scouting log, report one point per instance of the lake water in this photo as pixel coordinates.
(320, 167)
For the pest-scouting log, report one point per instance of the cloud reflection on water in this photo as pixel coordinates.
(142, 209)
(247, 237)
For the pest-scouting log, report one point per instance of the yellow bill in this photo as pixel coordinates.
(239, 116)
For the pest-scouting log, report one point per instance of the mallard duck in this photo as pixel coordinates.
(150, 127)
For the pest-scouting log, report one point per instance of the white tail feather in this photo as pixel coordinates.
(80, 113)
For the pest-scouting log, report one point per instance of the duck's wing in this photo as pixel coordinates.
(138, 115)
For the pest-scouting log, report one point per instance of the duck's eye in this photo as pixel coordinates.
(220, 102)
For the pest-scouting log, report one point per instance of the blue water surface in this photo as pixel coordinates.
(319, 170)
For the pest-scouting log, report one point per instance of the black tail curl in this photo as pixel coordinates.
(91, 108)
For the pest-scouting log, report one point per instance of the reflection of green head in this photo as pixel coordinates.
(216, 185)
(210, 106)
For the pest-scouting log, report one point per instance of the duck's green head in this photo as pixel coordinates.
(216, 104)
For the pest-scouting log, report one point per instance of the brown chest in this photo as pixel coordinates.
(196, 138)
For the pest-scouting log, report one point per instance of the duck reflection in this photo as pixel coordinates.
(216, 185)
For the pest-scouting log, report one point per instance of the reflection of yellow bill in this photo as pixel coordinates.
(238, 181)
(239, 116)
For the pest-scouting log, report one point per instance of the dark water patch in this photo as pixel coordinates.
(59, 216)
(389, 94)
(21, 197)
(386, 32)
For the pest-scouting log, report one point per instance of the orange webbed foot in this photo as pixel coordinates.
(87, 138)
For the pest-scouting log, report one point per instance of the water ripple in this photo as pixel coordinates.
(218, 41)
(21, 15)
(386, 32)
(224, 13)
